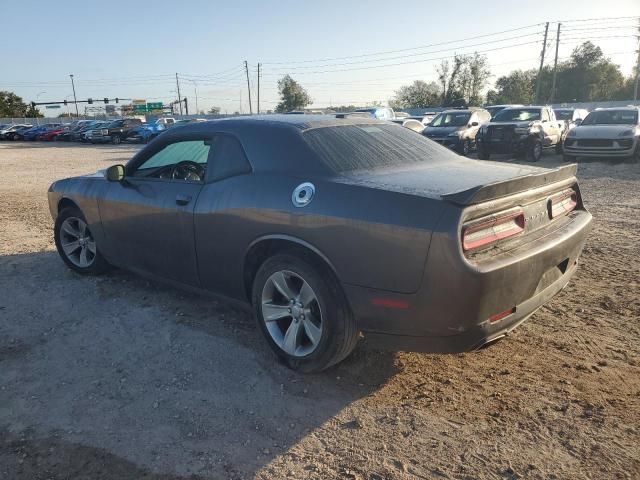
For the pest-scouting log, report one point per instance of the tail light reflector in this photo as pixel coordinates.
(487, 230)
(499, 316)
(562, 203)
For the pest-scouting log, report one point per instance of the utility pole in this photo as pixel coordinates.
(246, 69)
(258, 89)
(635, 90)
(73, 87)
(179, 97)
(544, 50)
(555, 66)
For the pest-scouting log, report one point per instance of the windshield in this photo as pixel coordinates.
(363, 147)
(564, 114)
(517, 115)
(494, 110)
(451, 119)
(115, 123)
(611, 117)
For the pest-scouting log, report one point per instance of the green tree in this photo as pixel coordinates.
(588, 76)
(464, 80)
(343, 108)
(292, 95)
(33, 112)
(417, 95)
(11, 105)
(519, 86)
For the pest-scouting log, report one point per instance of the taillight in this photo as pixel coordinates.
(562, 203)
(486, 230)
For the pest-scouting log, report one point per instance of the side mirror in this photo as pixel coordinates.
(474, 124)
(577, 121)
(115, 173)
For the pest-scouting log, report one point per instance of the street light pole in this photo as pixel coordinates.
(37, 97)
(75, 100)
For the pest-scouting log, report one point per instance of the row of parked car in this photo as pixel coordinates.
(527, 131)
(521, 130)
(91, 131)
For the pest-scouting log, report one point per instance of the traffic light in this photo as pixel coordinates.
(90, 101)
(106, 100)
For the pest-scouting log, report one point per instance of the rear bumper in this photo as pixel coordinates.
(451, 311)
(477, 336)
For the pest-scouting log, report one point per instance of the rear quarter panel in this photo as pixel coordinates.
(371, 237)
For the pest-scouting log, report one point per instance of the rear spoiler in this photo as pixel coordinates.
(492, 191)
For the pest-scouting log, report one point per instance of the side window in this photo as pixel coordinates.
(228, 158)
(161, 163)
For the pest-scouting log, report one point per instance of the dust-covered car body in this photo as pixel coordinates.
(431, 251)
(606, 132)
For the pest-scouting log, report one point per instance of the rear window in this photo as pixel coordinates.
(363, 147)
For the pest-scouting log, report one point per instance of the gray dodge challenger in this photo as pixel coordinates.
(331, 227)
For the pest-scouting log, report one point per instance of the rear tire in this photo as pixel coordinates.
(278, 285)
(76, 244)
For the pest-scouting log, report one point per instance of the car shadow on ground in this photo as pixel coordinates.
(132, 379)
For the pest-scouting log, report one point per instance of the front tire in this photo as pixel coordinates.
(483, 154)
(303, 313)
(465, 148)
(76, 245)
(534, 151)
(116, 139)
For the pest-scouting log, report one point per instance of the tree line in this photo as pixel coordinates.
(587, 76)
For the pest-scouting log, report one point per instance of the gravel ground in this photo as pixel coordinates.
(118, 378)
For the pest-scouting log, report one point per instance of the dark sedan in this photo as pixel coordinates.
(330, 227)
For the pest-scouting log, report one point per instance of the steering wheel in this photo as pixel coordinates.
(188, 170)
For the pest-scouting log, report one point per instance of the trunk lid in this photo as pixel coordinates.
(462, 181)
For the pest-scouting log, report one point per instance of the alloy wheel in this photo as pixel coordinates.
(291, 312)
(77, 243)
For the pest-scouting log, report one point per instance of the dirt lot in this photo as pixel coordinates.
(118, 378)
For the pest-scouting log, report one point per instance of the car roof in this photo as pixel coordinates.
(462, 110)
(629, 108)
(300, 122)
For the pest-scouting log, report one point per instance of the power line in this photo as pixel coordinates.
(357, 62)
(405, 49)
(405, 63)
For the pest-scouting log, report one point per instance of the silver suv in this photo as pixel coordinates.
(606, 132)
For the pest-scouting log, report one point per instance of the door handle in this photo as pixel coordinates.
(183, 199)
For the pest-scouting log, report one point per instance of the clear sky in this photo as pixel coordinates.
(334, 48)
